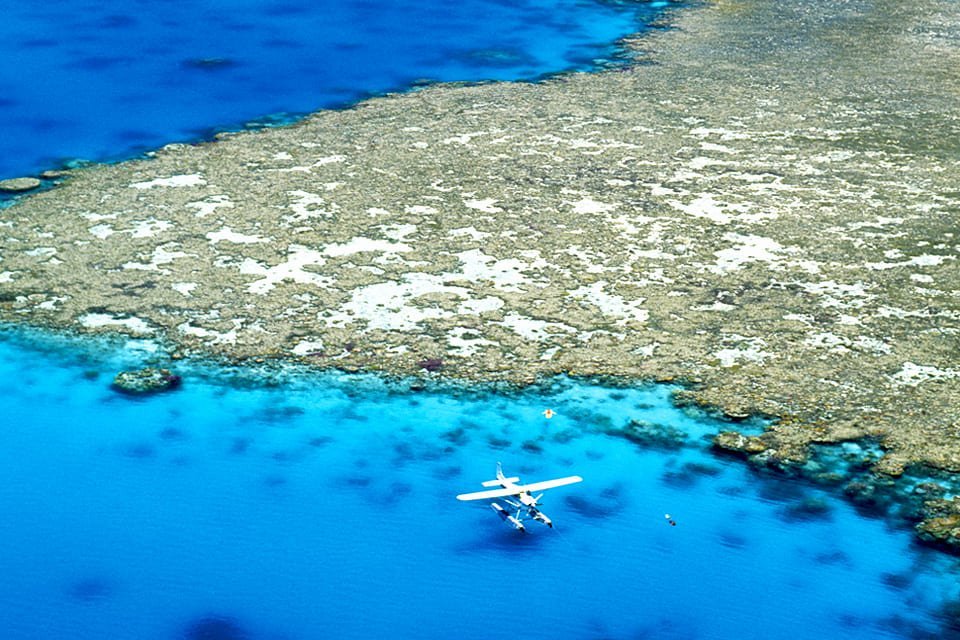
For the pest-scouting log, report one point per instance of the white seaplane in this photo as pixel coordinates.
(518, 496)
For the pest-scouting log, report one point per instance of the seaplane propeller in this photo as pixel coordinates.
(518, 496)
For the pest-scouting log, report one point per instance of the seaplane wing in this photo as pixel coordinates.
(518, 489)
(493, 493)
(550, 484)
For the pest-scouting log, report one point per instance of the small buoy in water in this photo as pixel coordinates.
(549, 413)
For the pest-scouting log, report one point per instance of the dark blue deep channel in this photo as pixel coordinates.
(322, 506)
(94, 80)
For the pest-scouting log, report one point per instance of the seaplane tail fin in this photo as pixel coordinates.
(498, 483)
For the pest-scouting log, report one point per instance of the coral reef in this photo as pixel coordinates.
(145, 381)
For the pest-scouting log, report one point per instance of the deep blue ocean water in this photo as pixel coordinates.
(106, 80)
(322, 506)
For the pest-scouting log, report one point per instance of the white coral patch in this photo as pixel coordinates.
(506, 275)
(364, 245)
(149, 228)
(628, 224)
(749, 248)
(705, 206)
(745, 350)
(476, 306)
(42, 252)
(97, 217)
(226, 234)
(881, 221)
(209, 205)
(470, 232)
(486, 205)
(612, 304)
(466, 342)
(189, 180)
(895, 312)
(388, 305)
(925, 260)
(211, 336)
(98, 320)
(839, 295)
(647, 350)
(716, 305)
(184, 288)
(398, 232)
(548, 354)
(913, 374)
(799, 317)
(52, 304)
(329, 160)
(590, 206)
(658, 190)
(161, 255)
(533, 329)
(307, 205)
(872, 345)
(298, 257)
(701, 162)
(592, 262)
(828, 341)
(420, 209)
(711, 146)
(464, 138)
(724, 134)
(308, 347)
(102, 231)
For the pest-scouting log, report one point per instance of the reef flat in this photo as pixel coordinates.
(764, 206)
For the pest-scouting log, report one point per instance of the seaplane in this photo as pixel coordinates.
(517, 496)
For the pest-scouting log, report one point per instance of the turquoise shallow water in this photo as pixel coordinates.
(323, 506)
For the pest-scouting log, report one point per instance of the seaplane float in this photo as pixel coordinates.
(517, 496)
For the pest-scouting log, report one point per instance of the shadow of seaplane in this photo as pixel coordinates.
(518, 496)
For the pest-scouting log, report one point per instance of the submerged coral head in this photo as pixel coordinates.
(145, 381)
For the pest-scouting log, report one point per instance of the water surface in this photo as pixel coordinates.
(323, 506)
(103, 81)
